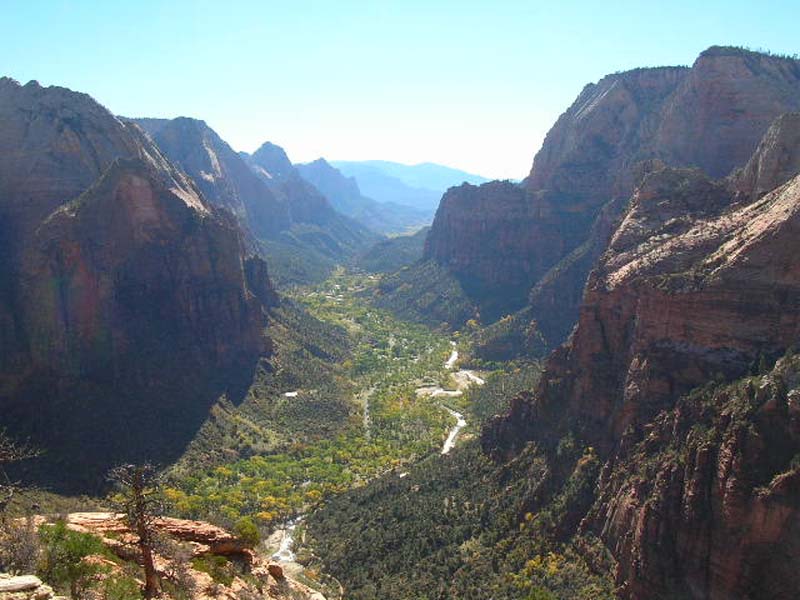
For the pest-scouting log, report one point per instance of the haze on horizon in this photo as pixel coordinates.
(472, 85)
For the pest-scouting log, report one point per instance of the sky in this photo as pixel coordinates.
(473, 85)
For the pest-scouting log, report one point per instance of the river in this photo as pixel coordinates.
(285, 552)
(463, 377)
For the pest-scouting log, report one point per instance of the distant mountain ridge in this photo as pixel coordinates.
(291, 222)
(420, 186)
(422, 175)
(344, 194)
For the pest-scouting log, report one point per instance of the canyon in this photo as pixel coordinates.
(583, 385)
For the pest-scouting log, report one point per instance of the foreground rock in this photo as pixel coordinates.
(25, 587)
(250, 575)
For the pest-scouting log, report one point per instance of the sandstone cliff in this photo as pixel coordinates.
(554, 227)
(700, 283)
(128, 305)
(287, 218)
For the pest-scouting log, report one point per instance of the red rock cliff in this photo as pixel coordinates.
(127, 304)
(700, 280)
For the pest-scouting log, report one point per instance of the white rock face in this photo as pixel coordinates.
(25, 587)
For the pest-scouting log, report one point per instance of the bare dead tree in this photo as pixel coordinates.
(139, 498)
(11, 452)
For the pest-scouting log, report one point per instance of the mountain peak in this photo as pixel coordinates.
(322, 163)
(273, 159)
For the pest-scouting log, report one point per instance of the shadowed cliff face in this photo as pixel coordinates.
(128, 306)
(699, 281)
(555, 225)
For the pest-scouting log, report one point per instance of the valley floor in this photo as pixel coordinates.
(406, 401)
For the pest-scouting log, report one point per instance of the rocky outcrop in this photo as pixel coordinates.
(698, 506)
(183, 544)
(776, 160)
(699, 284)
(203, 538)
(127, 303)
(25, 587)
(554, 227)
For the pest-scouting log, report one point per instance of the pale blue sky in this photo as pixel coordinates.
(474, 85)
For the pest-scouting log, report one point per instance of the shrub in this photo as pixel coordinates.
(121, 587)
(218, 567)
(62, 563)
(19, 546)
(247, 531)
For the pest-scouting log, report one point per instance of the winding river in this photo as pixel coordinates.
(285, 552)
(461, 422)
(464, 378)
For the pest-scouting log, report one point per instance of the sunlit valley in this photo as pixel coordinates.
(241, 375)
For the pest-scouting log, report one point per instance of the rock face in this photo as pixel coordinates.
(25, 587)
(526, 239)
(320, 226)
(203, 537)
(128, 304)
(700, 280)
(341, 191)
(501, 240)
(698, 507)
